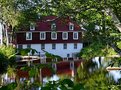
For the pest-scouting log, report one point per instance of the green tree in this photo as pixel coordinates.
(3, 63)
(105, 14)
(7, 59)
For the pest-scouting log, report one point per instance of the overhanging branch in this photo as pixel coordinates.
(116, 48)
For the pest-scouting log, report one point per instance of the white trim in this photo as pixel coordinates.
(29, 38)
(44, 33)
(71, 26)
(76, 36)
(55, 35)
(66, 36)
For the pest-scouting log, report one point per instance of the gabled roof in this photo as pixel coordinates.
(62, 24)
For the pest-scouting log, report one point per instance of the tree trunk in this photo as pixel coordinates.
(0, 79)
(6, 33)
(100, 61)
(40, 77)
(1, 33)
(116, 48)
(18, 83)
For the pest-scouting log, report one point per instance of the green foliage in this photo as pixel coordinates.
(26, 51)
(3, 63)
(97, 49)
(11, 86)
(98, 81)
(33, 71)
(83, 69)
(94, 78)
(65, 84)
(7, 56)
(11, 71)
(9, 12)
(88, 13)
(8, 51)
(115, 87)
(26, 68)
(79, 86)
(64, 76)
(52, 56)
(93, 50)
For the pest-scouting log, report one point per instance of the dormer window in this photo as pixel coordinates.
(28, 35)
(53, 26)
(32, 26)
(71, 26)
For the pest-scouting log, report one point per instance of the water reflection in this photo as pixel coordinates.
(115, 74)
(91, 73)
(94, 76)
(86, 71)
(53, 78)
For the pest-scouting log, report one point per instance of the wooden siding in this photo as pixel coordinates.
(21, 38)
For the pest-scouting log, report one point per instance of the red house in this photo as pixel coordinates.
(56, 35)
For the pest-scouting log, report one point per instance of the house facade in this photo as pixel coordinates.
(59, 36)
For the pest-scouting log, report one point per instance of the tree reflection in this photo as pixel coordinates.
(94, 78)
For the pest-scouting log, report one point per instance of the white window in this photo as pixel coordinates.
(32, 26)
(64, 46)
(28, 45)
(53, 35)
(71, 26)
(42, 46)
(75, 35)
(75, 45)
(65, 35)
(53, 46)
(42, 35)
(28, 35)
(53, 26)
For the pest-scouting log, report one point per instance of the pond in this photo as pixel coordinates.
(92, 73)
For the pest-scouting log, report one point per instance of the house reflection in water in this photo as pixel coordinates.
(67, 66)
